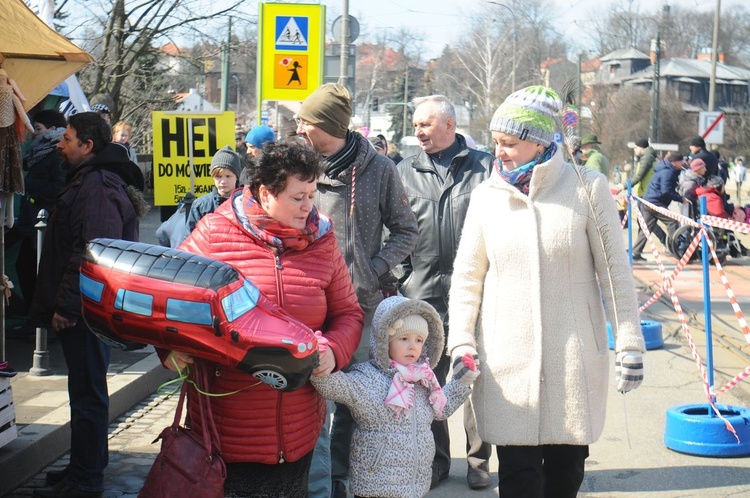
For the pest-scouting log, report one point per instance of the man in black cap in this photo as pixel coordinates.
(643, 173)
(239, 144)
(103, 111)
(662, 190)
(362, 192)
(698, 149)
(378, 143)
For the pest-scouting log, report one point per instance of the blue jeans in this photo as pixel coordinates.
(319, 480)
(87, 359)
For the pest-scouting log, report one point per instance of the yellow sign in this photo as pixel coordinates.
(290, 50)
(174, 133)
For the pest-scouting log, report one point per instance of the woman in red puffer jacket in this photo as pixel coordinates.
(271, 232)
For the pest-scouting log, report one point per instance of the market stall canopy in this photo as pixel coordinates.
(34, 55)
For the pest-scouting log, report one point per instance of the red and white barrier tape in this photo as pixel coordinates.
(744, 374)
(683, 320)
(677, 269)
(725, 223)
(668, 212)
(736, 380)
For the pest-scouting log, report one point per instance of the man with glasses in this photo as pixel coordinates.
(362, 193)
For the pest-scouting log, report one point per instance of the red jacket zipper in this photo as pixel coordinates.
(280, 297)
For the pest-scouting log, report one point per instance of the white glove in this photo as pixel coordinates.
(465, 369)
(628, 370)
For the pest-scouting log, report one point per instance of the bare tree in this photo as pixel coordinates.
(407, 84)
(623, 27)
(480, 71)
(124, 36)
(486, 60)
(131, 29)
(374, 63)
(626, 118)
(538, 39)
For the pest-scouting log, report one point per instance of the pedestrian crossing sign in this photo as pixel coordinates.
(291, 46)
(291, 33)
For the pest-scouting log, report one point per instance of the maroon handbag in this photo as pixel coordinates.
(188, 464)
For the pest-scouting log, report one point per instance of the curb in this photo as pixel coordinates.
(44, 441)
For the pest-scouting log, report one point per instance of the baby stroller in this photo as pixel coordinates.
(725, 242)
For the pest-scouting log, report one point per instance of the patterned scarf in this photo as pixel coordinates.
(521, 177)
(273, 233)
(340, 161)
(401, 393)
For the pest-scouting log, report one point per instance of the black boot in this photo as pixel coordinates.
(64, 489)
(55, 476)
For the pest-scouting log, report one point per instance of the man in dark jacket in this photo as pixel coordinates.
(362, 193)
(96, 201)
(698, 149)
(662, 190)
(438, 182)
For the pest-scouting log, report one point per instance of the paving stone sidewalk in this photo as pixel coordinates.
(130, 450)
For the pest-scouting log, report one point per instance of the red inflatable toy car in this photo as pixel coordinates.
(135, 293)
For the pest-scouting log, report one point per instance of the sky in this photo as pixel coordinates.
(443, 21)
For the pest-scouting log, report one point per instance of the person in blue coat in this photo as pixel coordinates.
(661, 192)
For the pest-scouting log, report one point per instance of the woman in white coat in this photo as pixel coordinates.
(541, 249)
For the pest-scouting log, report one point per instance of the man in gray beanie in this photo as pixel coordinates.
(362, 193)
(225, 170)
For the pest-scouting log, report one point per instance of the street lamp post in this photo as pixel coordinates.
(714, 57)
(237, 83)
(406, 100)
(654, 132)
(515, 42)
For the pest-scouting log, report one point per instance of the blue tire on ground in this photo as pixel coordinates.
(652, 334)
(696, 430)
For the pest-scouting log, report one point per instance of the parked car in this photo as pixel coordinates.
(136, 294)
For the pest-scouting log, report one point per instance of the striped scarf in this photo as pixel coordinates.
(338, 162)
(521, 177)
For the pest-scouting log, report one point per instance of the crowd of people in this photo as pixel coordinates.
(450, 259)
(684, 179)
